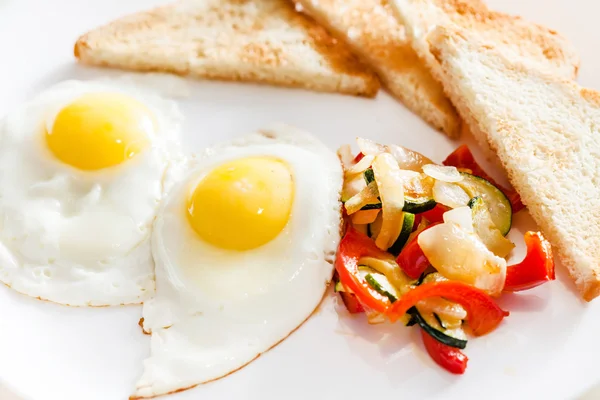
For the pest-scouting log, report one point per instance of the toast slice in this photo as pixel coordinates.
(239, 40)
(517, 38)
(370, 28)
(546, 132)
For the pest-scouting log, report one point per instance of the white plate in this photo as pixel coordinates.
(546, 349)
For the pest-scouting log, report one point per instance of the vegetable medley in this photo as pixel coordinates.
(425, 244)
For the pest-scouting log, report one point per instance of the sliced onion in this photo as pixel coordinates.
(391, 192)
(345, 155)
(460, 255)
(443, 173)
(360, 166)
(366, 196)
(450, 194)
(408, 159)
(461, 216)
(369, 147)
(364, 216)
(353, 186)
(418, 186)
(442, 307)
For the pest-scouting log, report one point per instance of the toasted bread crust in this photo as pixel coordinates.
(545, 130)
(512, 35)
(263, 41)
(371, 30)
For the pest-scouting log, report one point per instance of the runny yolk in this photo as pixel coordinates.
(242, 204)
(100, 130)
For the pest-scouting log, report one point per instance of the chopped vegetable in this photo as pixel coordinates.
(434, 329)
(352, 186)
(344, 153)
(455, 251)
(408, 222)
(448, 226)
(449, 358)
(352, 247)
(496, 202)
(351, 303)
(450, 194)
(537, 267)
(412, 260)
(379, 282)
(360, 167)
(442, 173)
(408, 159)
(483, 315)
(391, 192)
(368, 195)
(364, 217)
(436, 214)
(369, 147)
(487, 231)
(463, 158)
(391, 270)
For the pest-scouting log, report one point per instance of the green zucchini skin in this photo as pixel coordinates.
(376, 206)
(375, 285)
(437, 335)
(497, 202)
(417, 206)
(407, 226)
(413, 206)
(369, 175)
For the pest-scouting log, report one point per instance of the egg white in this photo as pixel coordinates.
(80, 237)
(216, 310)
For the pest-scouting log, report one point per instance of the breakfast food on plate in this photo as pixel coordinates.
(244, 245)
(426, 244)
(258, 41)
(81, 176)
(545, 132)
(371, 30)
(517, 38)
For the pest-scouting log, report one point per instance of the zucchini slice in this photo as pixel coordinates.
(379, 282)
(408, 221)
(369, 175)
(418, 205)
(454, 338)
(411, 205)
(487, 231)
(497, 203)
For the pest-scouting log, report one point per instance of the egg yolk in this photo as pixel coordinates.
(242, 204)
(100, 130)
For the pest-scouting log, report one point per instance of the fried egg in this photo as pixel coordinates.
(82, 170)
(243, 245)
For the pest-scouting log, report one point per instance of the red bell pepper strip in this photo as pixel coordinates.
(412, 260)
(483, 314)
(463, 158)
(436, 214)
(536, 268)
(358, 157)
(351, 303)
(447, 357)
(352, 247)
